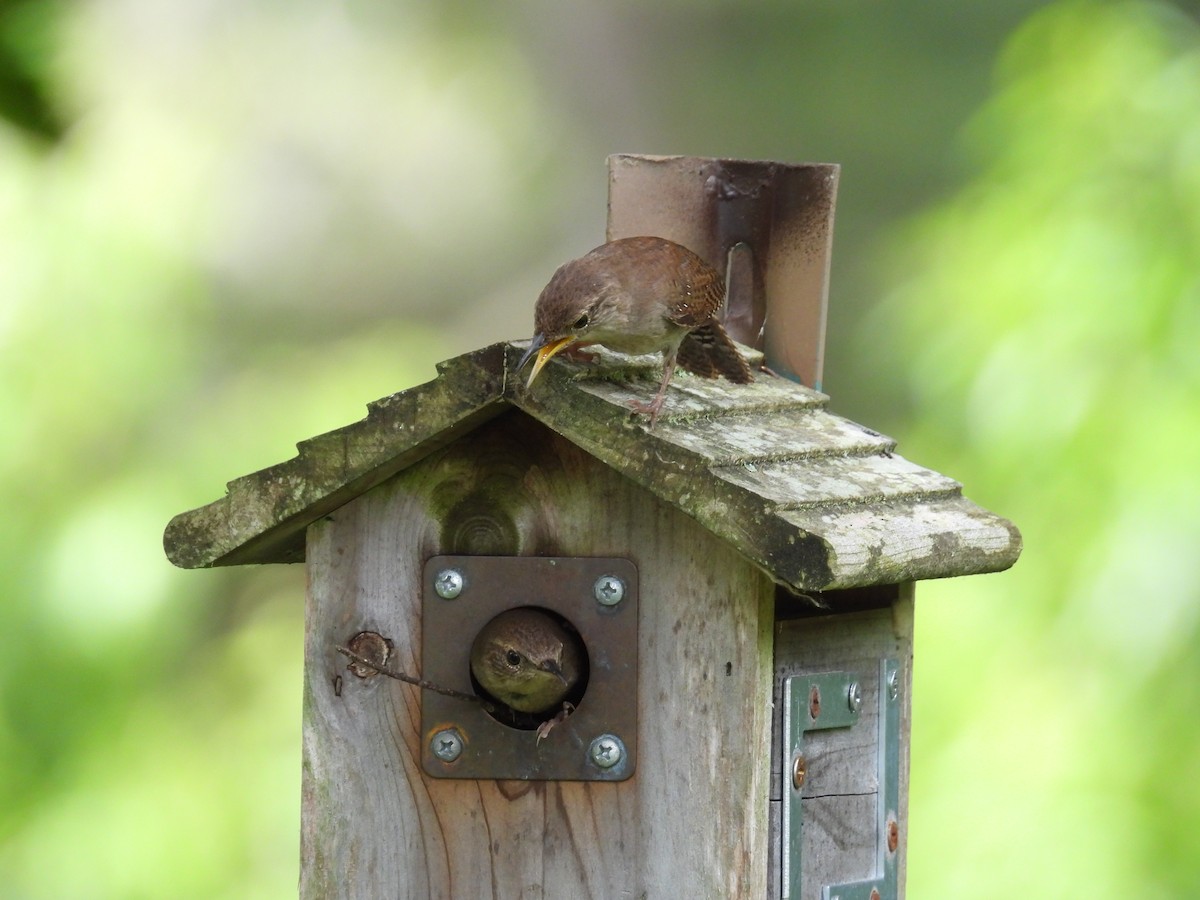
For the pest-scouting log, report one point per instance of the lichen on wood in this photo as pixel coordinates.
(816, 501)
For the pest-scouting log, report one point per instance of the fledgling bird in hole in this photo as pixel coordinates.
(527, 660)
(638, 295)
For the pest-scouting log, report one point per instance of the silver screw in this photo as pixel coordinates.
(448, 584)
(893, 683)
(447, 745)
(606, 751)
(854, 696)
(609, 590)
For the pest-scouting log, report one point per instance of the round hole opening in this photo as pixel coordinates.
(527, 662)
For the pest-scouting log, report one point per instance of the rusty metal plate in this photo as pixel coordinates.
(767, 225)
(598, 741)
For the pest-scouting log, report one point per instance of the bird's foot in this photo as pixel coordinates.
(651, 409)
(546, 727)
(578, 354)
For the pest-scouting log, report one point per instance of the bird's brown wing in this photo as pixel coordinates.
(698, 293)
(709, 351)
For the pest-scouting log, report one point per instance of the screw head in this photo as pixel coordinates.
(447, 745)
(448, 583)
(609, 590)
(893, 685)
(799, 771)
(854, 696)
(606, 751)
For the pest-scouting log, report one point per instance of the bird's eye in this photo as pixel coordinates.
(513, 658)
(581, 322)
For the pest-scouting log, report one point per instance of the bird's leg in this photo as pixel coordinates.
(546, 727)
(654, 406)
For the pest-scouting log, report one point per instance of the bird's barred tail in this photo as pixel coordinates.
(708, 351)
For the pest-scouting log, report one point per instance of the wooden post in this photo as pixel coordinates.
(692, 821)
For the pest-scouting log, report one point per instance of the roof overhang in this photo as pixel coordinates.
(815, 500)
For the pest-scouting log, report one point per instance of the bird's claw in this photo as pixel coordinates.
(651, 409)
(577, 353)
(546, 727)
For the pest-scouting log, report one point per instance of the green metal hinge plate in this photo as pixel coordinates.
(834, 700)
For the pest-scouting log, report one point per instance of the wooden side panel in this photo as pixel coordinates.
(841, 788)
(692, 821)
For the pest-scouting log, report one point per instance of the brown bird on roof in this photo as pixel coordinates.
(638, 295)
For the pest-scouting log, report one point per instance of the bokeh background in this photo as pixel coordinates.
(226, 225)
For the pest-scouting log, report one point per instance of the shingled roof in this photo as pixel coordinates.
(817, 501)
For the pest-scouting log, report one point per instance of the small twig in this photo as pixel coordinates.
(409, 679)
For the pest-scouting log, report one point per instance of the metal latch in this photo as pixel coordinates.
(834, 700)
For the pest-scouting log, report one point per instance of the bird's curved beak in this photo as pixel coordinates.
(552, 666)
(544, 350)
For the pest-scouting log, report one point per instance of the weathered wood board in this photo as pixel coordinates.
(693, 819)
(841, 788)
(816, 501)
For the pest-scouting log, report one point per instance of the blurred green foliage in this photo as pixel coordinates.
(1055, 300)
(27, 39)
(226, 226)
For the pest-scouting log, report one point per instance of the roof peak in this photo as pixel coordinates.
(764, 466)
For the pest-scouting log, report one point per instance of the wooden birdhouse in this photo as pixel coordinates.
(739, 579)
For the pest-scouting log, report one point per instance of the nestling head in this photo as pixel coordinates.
(526, 659)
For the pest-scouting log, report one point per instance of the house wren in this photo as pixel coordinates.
(638, 295)
(526, 659)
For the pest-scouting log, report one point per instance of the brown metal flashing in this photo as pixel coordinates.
(767, 225)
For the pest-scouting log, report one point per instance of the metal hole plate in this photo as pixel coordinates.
(490, 585)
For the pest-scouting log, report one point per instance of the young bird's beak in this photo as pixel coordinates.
(550, 665)
(544, 353)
